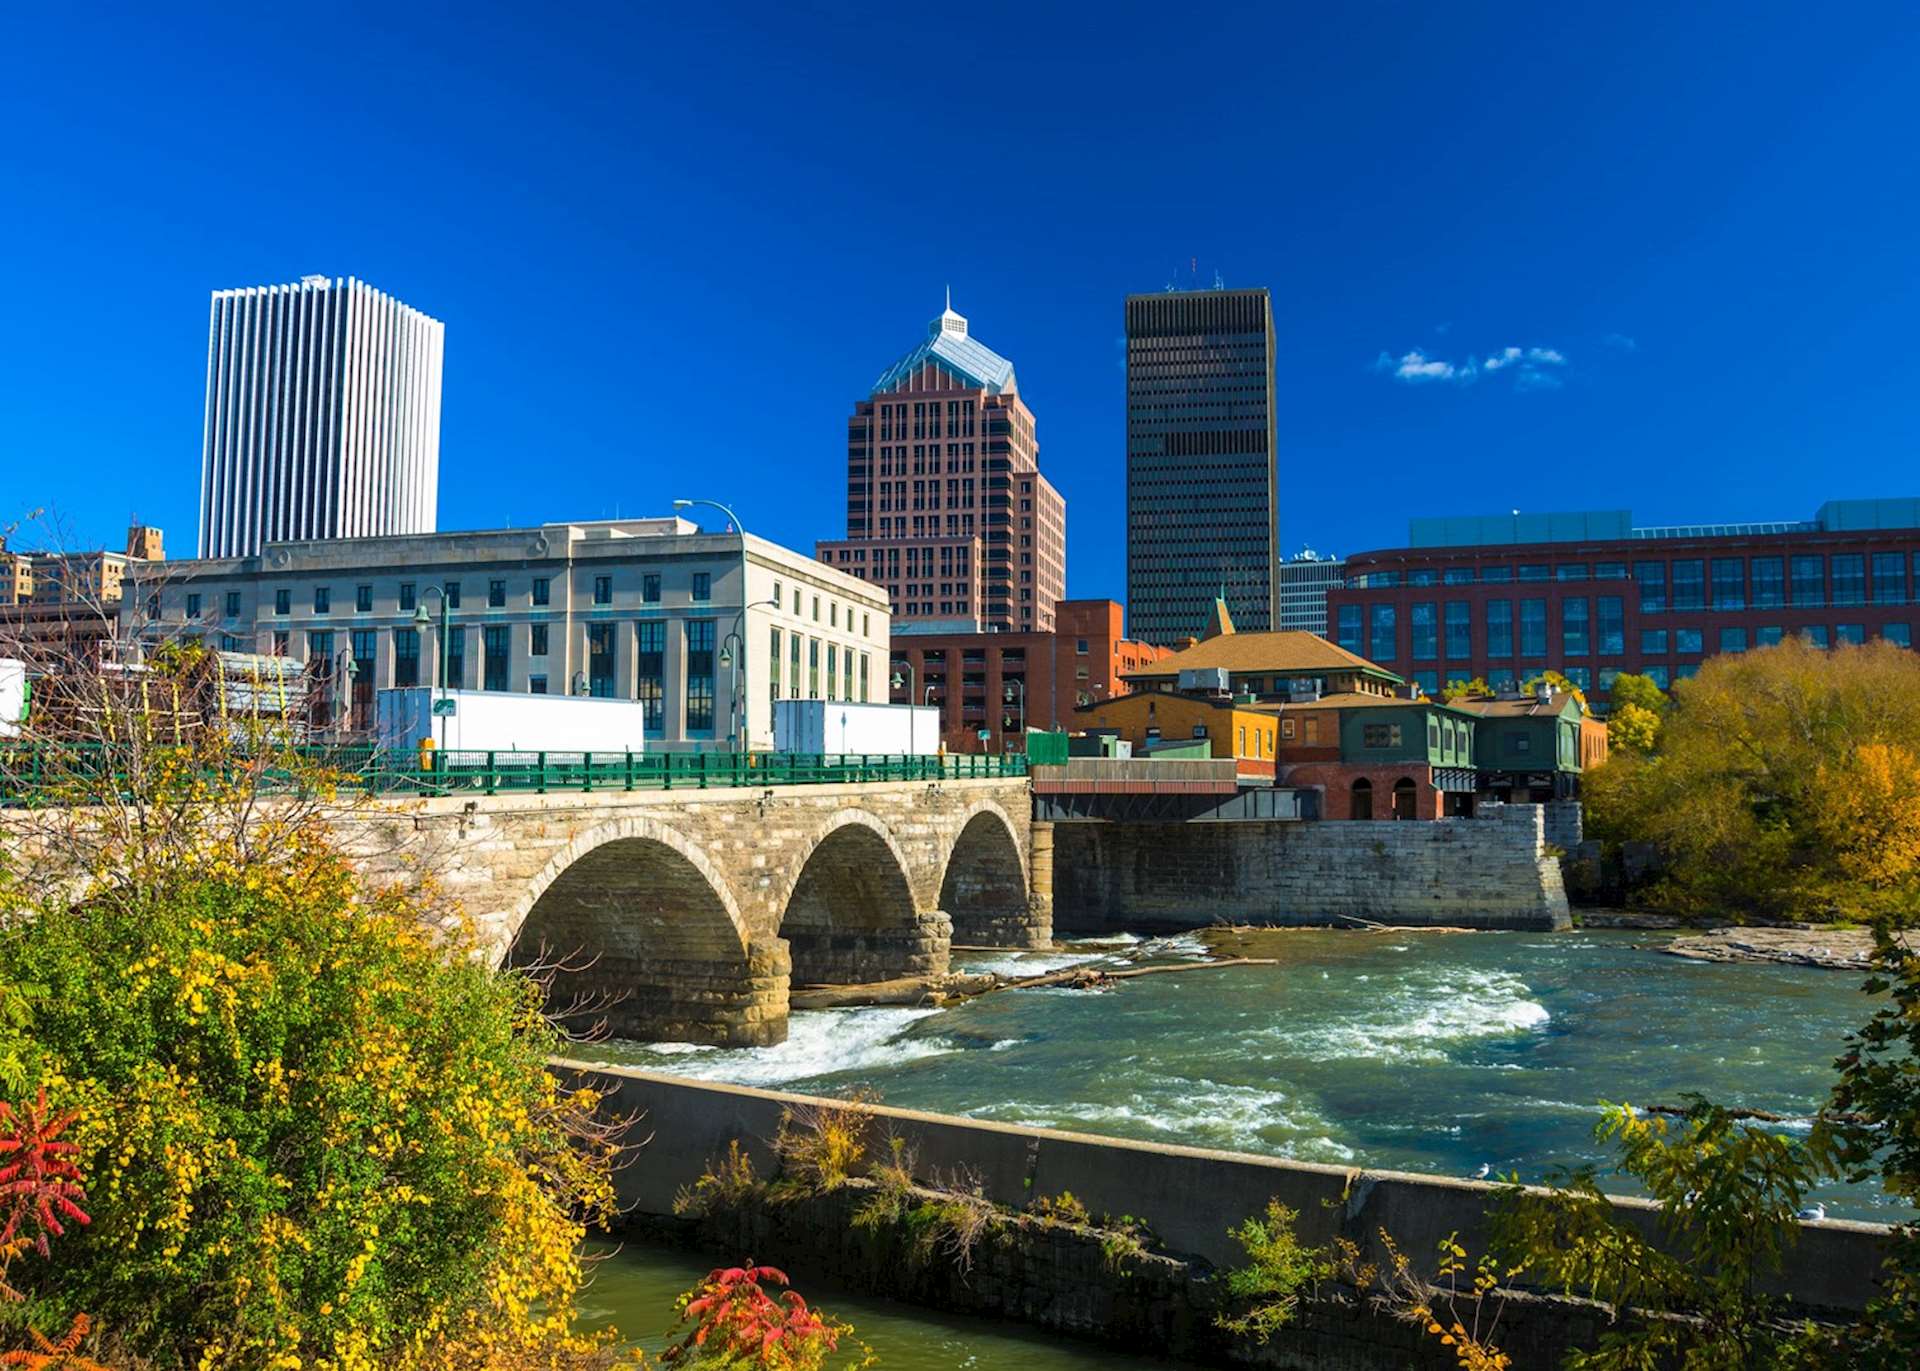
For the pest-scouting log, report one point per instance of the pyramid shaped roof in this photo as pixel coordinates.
(950, 347)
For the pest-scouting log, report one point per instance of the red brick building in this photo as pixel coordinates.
(1009, 682)
(946, 506)
(1591, 596)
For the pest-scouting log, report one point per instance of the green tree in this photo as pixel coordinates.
(1630, 688)
(1782, 782)
(1456, 689)
(1634, 727)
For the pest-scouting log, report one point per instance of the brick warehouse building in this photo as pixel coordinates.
(1009, 682)
(1589, 595)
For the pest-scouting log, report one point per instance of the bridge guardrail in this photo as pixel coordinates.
(41, 771)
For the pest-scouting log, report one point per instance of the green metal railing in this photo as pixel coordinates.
(45, 770)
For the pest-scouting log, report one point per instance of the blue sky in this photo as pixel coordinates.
(1653, 256)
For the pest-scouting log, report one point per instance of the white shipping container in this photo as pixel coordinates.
(501, 721)
(13, 696)
(842, 726)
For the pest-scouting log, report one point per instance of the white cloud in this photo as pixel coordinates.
(1417, 368)
(1621, 341)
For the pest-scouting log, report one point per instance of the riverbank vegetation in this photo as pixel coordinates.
(1780, 783)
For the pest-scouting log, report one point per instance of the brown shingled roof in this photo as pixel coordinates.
(1514, 707)
(1261, 653)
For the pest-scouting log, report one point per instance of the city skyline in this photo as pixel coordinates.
(1445, 290)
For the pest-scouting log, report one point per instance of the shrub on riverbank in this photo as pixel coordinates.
(1783, 782)
(314, 1131)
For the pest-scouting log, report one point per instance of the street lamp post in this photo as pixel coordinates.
(910, 683)
(422, 619)
(738, 695)
(1012, 687)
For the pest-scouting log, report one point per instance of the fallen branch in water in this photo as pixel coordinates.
(1092, 976)
(1758, 1115)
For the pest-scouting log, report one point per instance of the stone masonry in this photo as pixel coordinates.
(1491, 871)
(686, 915)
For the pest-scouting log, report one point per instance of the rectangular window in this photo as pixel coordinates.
(1433, 734)
(193, 604)
(1729, 583)
(283, 601)
(846, 670)
(1348, 629)
(865, 687)
(1733, 640)
(699, 675)
(1579, 676)
(1535, 571)
(406, 657)
(1849, 579)
(456, 658)
(1849, 633)
(1423, 577)
(1689, 641)
(536, 684)
(322, 600)
(1608, 675)
(1425, 630)
(406, 597)
(1769, 583)
(363, 599)
(1571, 571)
(1810, 580)
(816, 612)
(1610, 625)
(1499, 628)
(1690, 584)
(496, 594)
(542, 590)
(1457, 576)
(1573, 626)
(1533, 628)
(773, 667)
(702, 586)
(1610, 571)
(1459, 630)
(650, 677)
(1380, 735)
(1496, 575)
(233, 604)
(813, 667)
(495, 656)
(600, 664)
(536, 640)
(1656, 674)
(452, 591)
(1889, 578)
(833, 672)
(1767, 635)
(1817, 635)
(1653, 642)
(1900, 635)
(603, 590)
(1382, 633)
(1652, 580)
(650, 588)
(281, 639)
(365, 645)
(793, 658)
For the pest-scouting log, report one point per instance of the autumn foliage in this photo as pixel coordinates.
(737, 1323)
(1781, 782)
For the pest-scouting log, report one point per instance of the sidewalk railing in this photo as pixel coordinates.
(81, 772)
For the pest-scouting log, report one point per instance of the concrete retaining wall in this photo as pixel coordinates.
(1188, 1196)
(1485, 872)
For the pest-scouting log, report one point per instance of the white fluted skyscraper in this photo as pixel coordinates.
(323, 416)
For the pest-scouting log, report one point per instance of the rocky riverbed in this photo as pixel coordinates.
(1836, 949)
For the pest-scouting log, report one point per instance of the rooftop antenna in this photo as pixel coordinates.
(1218, 284)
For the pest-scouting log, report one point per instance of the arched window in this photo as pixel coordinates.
(1406, 801)
(1360, 800)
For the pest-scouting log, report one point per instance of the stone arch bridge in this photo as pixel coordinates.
(690, 913)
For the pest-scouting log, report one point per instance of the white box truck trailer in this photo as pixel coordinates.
(840, 727)
(14, 694)
(500, 721)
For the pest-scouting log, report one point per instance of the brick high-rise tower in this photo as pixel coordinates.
(946, 506)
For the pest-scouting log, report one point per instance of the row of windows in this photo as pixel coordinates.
(1587, 626)
(1813, 579)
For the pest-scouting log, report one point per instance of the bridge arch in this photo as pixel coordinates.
(850, 915)
(647, 935)
(984, 886)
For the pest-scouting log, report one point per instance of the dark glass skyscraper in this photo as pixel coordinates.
(1202, 513)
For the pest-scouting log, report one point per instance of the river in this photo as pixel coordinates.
(1421, 1052)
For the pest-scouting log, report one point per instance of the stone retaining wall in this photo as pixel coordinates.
(1492, 871)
